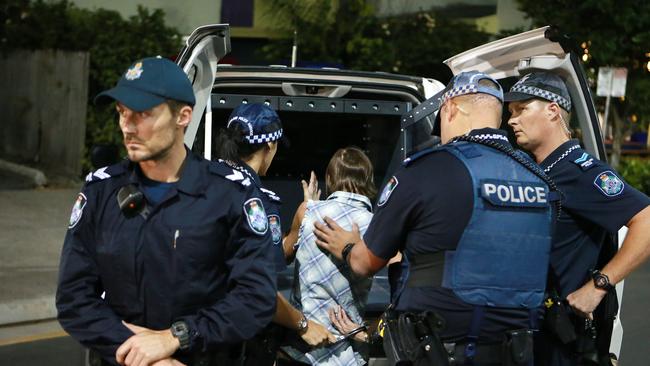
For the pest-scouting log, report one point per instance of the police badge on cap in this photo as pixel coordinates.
(256, 216)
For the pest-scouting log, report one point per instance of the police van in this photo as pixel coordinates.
(325, 109)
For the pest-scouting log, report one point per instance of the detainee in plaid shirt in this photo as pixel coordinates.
(322, 281)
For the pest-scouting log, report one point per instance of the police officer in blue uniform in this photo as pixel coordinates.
(167, 256)
(596, 202)
(473, 218)
(248, 144)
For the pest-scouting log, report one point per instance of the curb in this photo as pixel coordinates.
(18, 311)
(34, 175)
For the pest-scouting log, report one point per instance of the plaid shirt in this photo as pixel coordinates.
(324, 281)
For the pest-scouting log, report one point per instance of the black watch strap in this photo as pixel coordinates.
(601, 280)
(181, 331)
(345, 253)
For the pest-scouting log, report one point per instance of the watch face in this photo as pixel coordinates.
(601, 282)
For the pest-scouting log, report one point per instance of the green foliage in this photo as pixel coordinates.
(636, 172)
(348, 33)
(112, 41)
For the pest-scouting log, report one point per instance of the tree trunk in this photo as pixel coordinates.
(617, 136)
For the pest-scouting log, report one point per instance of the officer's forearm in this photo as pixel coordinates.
(363, 262)
(635, 249)
(285, 314)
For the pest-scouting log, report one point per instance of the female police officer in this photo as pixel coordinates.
(249, 143)
(163, 244)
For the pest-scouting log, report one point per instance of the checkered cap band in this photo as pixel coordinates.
(544, 94)
(459, 90)
(266, 137)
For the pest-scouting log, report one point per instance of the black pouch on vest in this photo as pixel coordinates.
(518, 347)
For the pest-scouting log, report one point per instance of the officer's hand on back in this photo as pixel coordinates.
(332, 237)
(316, 335)
(146, 346)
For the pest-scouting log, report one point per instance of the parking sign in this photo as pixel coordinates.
(611, 81)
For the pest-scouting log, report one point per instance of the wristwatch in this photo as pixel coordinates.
(302, 324)
(180, 330)
(601, 280)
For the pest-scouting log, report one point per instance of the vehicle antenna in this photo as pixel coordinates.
(294, 49)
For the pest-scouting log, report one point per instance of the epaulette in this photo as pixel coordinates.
(107, 172)
(235, 175)
(420, 154)
(271, 194)
(584, 160)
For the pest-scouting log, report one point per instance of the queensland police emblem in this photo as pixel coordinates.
(77, 210)
(134, 72)
(609, 184)
(276, 228)
(388, 189)
(256, 216)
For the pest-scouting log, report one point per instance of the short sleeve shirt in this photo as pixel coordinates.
(595, 201)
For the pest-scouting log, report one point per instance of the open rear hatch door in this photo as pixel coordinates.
(198, 58)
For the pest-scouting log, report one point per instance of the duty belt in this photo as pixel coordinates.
(485, 353)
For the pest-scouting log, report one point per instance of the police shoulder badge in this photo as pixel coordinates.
(276, 229)
(388, 189)
(256, 216)
(609, 184)
(77, 210)
(134, 72)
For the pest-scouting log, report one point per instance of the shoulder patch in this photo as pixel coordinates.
(271, 194)
(77, 210)
(229, 173)
(276, 229)
(388, 190)
(609, 183)
(256, 216)
(585, 161)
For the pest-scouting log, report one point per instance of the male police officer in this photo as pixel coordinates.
(166, 255)
(595, 202)
(473, 219)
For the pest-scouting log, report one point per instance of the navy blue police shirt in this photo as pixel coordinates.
(595, 202)
(272, 204)
(426, 211)
(201, 255)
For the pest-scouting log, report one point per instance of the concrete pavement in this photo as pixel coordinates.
(33, 223)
